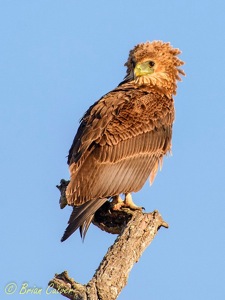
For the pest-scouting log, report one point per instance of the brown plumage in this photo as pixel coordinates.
(123, 136)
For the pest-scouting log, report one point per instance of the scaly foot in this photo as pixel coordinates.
(117, 203)
(128, 202)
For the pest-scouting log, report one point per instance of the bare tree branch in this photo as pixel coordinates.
(112, 274)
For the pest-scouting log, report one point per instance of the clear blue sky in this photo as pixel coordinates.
(56, 59)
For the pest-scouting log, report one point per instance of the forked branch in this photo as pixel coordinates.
(112, 274)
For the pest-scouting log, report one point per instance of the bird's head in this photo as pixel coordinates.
(155, 64)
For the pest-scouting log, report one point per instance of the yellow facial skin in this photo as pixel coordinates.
(144, 68)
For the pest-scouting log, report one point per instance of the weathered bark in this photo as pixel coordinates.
(112, 274)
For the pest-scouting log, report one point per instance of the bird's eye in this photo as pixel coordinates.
(151, 63)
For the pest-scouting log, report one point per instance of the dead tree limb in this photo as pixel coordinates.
(112, 274)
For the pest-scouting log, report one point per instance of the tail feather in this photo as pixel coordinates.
(82, 216)
(84, 227)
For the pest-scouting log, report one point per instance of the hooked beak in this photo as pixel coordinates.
(143, 69)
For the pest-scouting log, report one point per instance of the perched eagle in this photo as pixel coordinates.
(123, 137)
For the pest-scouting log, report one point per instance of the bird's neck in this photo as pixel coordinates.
(159, 82)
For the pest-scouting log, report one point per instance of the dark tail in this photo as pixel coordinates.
(82, 216)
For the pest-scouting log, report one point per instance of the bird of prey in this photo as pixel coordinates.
(123, 136)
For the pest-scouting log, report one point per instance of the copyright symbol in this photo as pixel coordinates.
(10, 288)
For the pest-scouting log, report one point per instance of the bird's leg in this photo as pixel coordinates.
(117, 202)
(128, 202)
